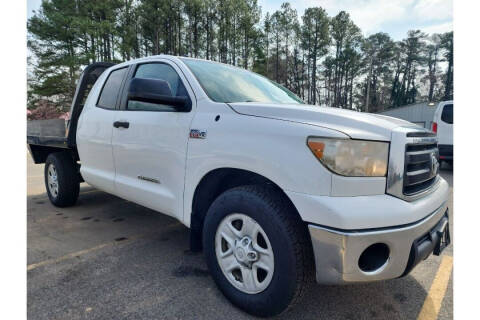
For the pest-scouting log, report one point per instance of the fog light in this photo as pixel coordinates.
(374, 257)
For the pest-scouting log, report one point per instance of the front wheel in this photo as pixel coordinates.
(257, 250)
(61, 179)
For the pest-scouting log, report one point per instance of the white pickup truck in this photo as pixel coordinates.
(275, 192)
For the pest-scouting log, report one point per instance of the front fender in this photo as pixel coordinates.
(275, 149)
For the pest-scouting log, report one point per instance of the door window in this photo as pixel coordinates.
(447, 113)
(111, 88)
(159, 71)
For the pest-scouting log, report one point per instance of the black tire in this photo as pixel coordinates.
(67, 178)
(290, 242)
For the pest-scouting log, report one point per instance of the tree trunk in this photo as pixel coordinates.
(367, 99)
(314, 76)
(448, 82)
(277, 62)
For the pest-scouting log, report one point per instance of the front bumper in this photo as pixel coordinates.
(367, 212)
(337, 252)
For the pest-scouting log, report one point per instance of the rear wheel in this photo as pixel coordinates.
(257, 250)
(61, 179)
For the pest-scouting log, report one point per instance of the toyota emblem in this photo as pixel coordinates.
(434, 164)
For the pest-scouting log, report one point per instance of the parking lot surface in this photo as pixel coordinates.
(107, 258)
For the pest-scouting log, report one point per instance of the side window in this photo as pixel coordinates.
(159, 71)
(111, 88)
(447, 113)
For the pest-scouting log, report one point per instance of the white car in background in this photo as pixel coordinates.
(443, 127)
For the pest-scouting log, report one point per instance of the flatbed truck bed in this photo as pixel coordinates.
(46, 136)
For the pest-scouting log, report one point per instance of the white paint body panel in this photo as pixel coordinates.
(269, 140)
(356, 186)
(94, 142)
(357, 125)
(154, 146)
(366, 212)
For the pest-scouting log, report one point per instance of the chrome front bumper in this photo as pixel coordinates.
(337, 253)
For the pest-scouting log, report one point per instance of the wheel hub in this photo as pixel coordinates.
(244, 252)
(52, 180)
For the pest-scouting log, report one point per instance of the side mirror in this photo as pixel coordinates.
(156, 91)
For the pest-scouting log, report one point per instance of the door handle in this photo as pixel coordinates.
(121, 124)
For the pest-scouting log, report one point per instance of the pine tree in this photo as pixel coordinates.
(324, 60)
(317, 39)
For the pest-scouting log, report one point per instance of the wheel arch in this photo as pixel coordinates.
(214, 183)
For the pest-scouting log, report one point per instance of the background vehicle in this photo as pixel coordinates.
(443, 126)
(274, 191)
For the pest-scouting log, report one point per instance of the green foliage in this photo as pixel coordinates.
(316, 39)
(411, 50)
(325, 60)
(446, 41)
(378, 53)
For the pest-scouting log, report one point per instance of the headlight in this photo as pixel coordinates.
(354, 158)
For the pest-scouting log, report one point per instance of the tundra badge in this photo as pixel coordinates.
(148, 179)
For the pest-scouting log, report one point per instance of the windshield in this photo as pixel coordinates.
(224, 83)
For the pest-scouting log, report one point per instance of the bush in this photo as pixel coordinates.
(44, 110)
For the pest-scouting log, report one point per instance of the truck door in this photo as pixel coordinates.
(94, 132)
(150, 145)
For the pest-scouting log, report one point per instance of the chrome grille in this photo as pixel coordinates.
(413, 163)
(421, 167)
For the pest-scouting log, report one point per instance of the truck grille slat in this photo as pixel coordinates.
(418, 178)
(418, 156)
(418, 172)
(418, 166)
(416, 188)
(421, 147)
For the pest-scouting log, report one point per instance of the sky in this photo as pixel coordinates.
(32, 5)
(394, 17)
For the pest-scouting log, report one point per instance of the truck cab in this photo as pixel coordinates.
(276, 193)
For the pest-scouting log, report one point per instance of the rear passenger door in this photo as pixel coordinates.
(150, 154)
(94, 131)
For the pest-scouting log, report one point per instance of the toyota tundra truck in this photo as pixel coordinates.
(276, 192)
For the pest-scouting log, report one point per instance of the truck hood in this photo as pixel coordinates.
(357, 125)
